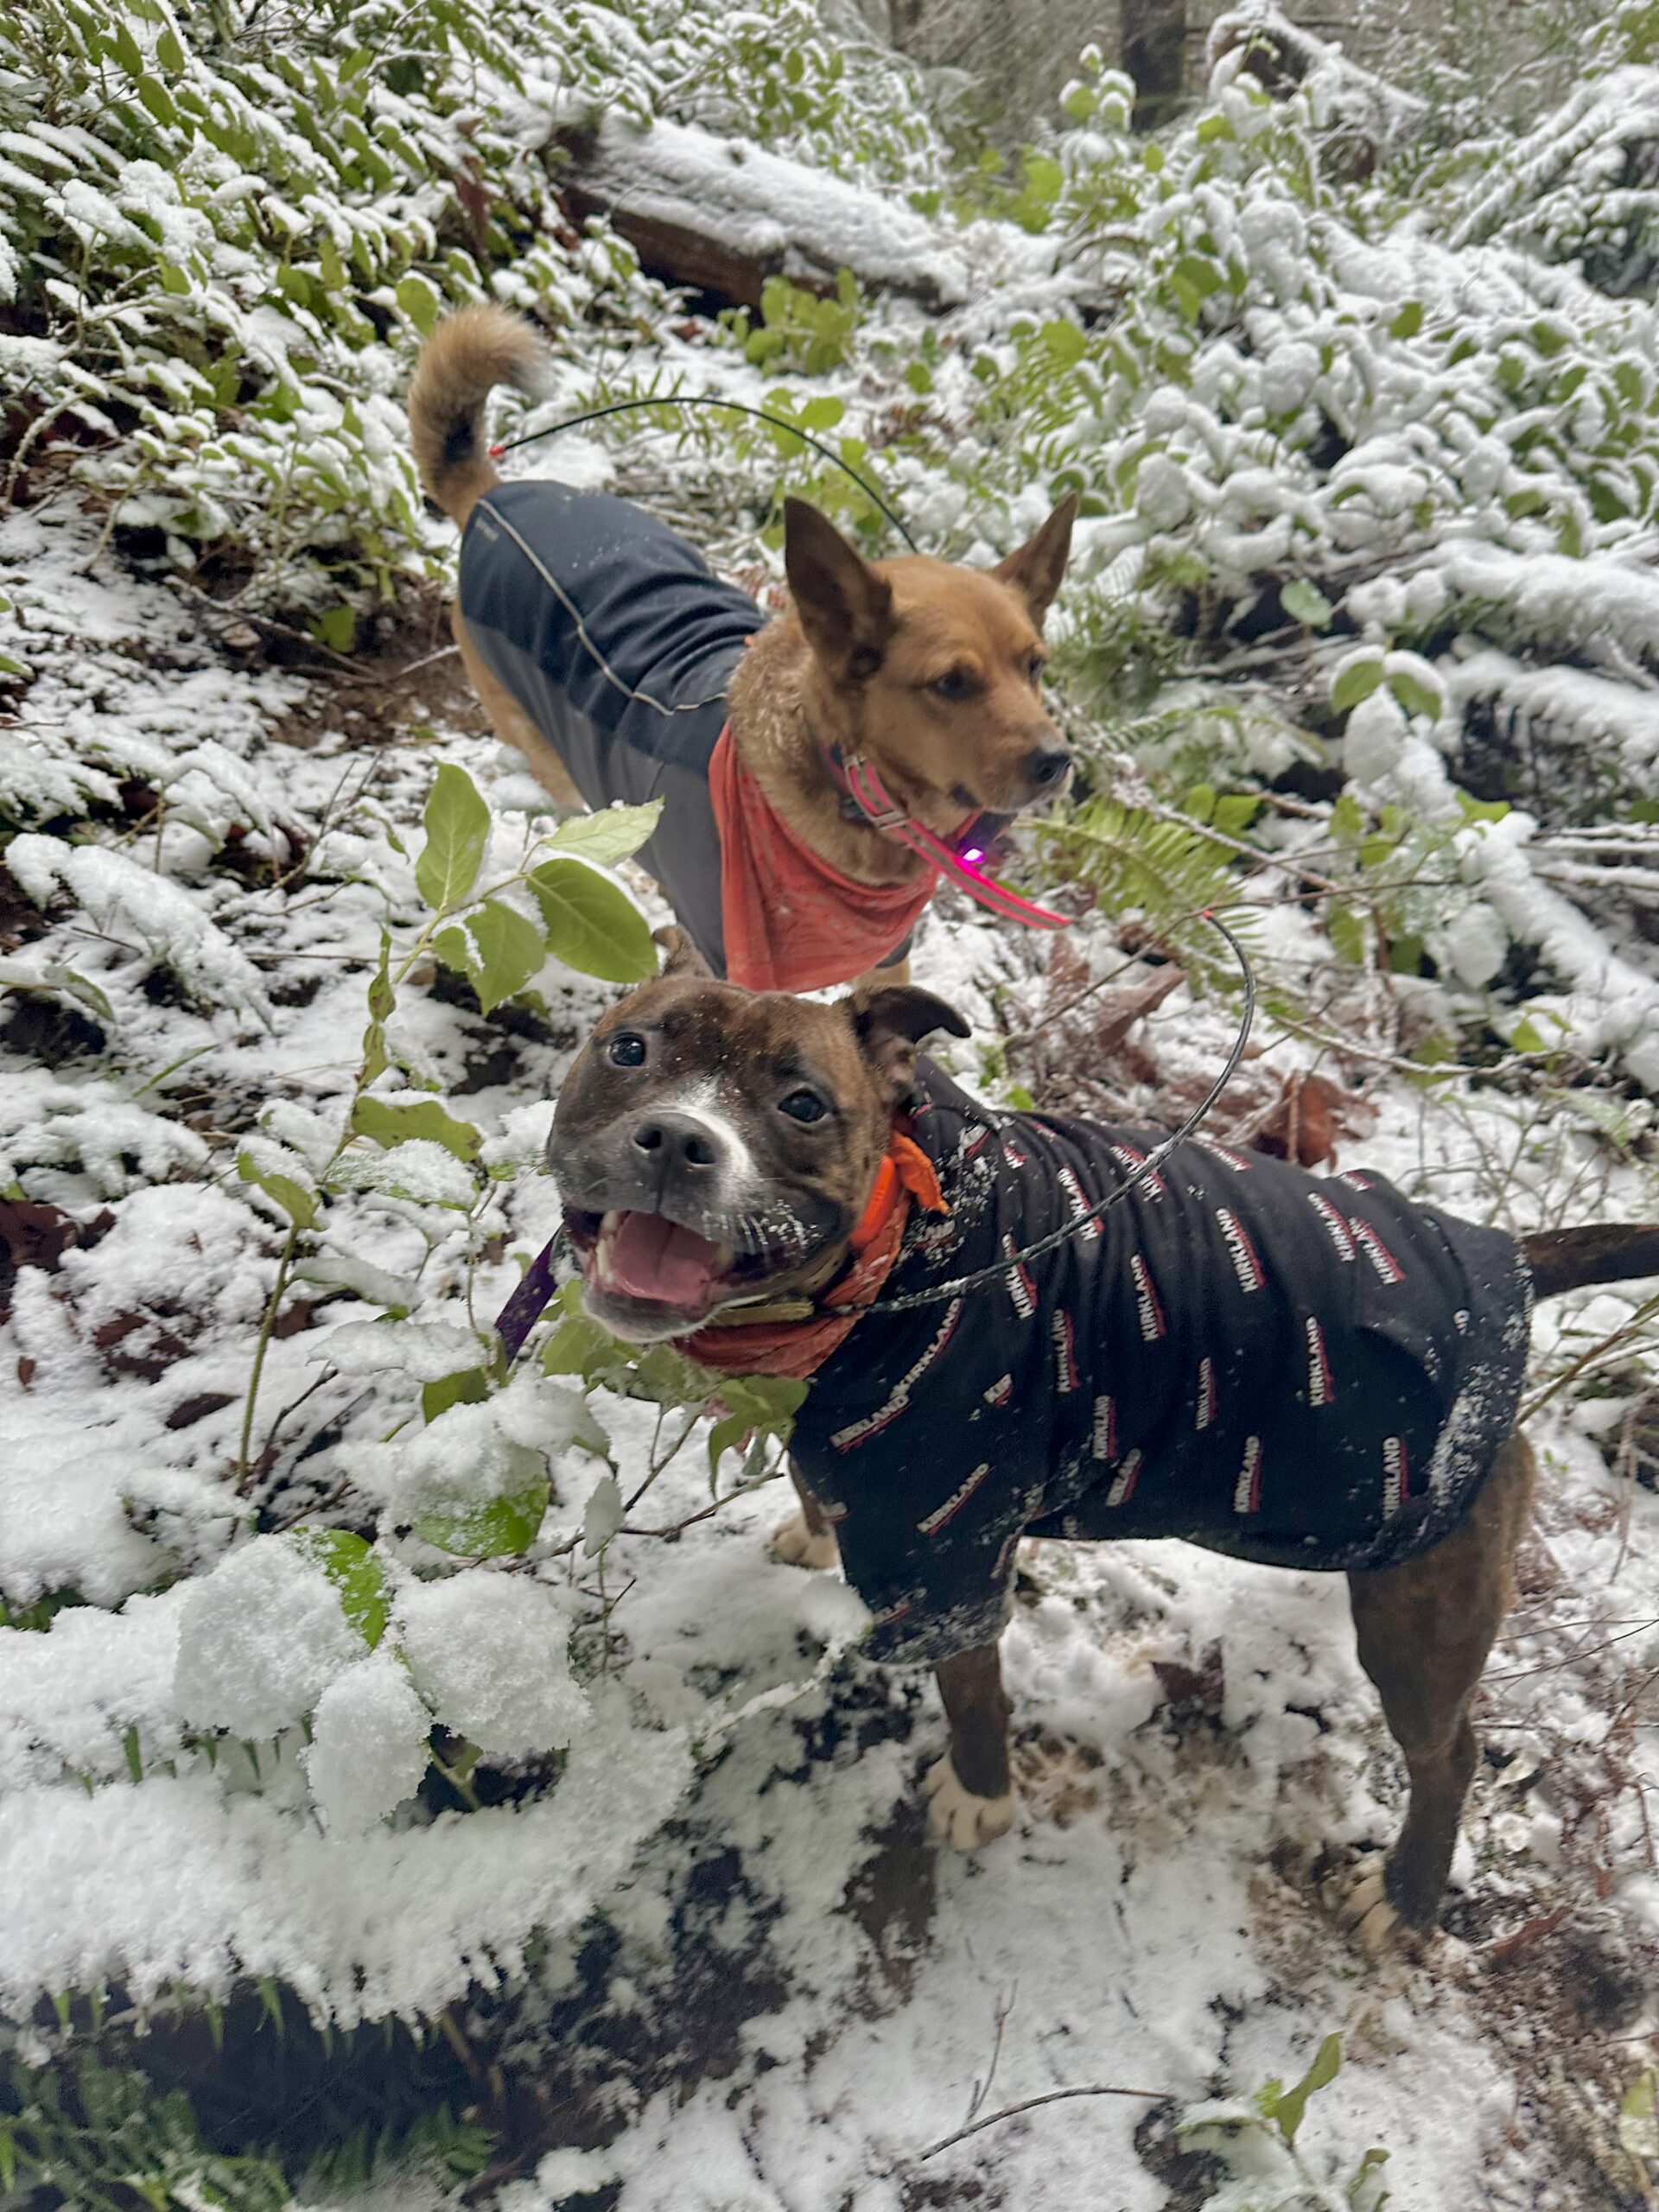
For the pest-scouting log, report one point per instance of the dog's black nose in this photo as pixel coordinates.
(673, 1140)
(1045, 769)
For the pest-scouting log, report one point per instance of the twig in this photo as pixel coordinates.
(982, 2090)
(1030, 2104)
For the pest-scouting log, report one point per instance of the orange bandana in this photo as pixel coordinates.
(798, 1348)
(791, 921)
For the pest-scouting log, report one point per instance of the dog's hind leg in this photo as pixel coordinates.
(1424, 1630)
(806, 1539)
(970, 1792)
(512, 724)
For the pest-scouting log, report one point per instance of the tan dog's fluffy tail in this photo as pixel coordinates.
(467, 356)
(1608, 1251)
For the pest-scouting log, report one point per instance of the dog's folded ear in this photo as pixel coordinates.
(890, 1020)
(1034, 572)
(680, 956)
(843, 606)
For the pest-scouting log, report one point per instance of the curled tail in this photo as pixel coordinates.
(467, 356)
(1609, 1251)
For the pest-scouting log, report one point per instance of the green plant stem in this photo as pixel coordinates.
(266, 1326)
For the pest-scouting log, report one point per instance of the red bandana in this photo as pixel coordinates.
(791, 922)
(799, 1347)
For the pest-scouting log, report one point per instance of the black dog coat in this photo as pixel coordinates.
(1308, 1371)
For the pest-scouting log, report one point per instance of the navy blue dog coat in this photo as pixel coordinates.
(1308, 1371)
(559, 587)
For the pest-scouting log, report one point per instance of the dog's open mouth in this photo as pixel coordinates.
(656, 1267)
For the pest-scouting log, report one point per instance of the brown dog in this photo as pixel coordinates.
(1313, 1372)
(603, 648)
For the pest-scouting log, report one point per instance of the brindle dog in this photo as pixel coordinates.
(712, 1146)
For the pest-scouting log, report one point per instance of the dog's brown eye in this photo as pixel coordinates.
(1035, 668)
(625, 1049)
(803, 1106)
(955, 683)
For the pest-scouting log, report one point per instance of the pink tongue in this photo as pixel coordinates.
(653, 1258)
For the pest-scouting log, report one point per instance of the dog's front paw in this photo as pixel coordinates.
(794, 1543)
(1371, 1918)
(959, 1818)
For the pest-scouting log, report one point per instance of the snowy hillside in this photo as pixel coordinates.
(416, 1775)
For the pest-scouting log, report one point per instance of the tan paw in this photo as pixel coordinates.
(959, 1818)
(794, 1543)
(1370, 1917)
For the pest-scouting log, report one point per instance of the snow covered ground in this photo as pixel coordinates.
(789, 1994)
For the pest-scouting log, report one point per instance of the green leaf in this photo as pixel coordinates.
(154, 96)
(125, 49)
(1413, 694)
(1346, 930)
(1064, 342)
(170, 52)
(503, 1525)
(725, 1436)
(592, 924)
(1235, 811)
(420, 303)
(579, 1346)
(1305, 603)
(1356, 682)
(610, 835)
(497, 947)
(298, 1204)
(1347, 821)
(134, 1756)
(337, 628)
(457, 831)
(1287, 2108)
(469, 1386)
(1638, 2116)
(395, 1120)
(351, 1564)
(1409, 322)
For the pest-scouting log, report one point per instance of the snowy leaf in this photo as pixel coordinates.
(496, 948)
(351, 1565)
(1305, 603)
(1356, 679)
(604, 1516)
(259, 1638)
(487, 1651)
(390, 1121)
(297, 1202)
(369, 1745)
(457, 830)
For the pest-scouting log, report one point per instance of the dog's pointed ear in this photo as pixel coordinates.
(1035, 570)
(842, 605)
(680, 956)
(890, 1020)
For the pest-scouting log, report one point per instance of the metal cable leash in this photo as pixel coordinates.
(733, 406)
(960, 1285)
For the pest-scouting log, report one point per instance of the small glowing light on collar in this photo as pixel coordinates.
(973, 853)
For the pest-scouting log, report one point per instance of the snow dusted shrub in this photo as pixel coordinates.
(487, 1652)
(261, 1638)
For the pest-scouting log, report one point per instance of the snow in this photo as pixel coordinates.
(487, 1651)
(712, 1858)
(368, 1748)
(260, 1638)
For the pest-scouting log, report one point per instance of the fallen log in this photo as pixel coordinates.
(719, 216)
